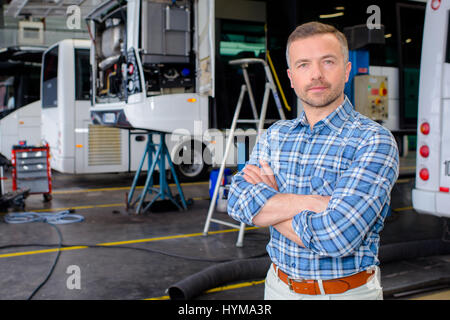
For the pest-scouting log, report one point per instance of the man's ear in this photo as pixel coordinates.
(290, 77)
(348, 68)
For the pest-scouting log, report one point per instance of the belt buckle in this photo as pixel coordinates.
(289, 280)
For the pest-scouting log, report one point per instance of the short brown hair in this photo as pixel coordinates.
(310, 29)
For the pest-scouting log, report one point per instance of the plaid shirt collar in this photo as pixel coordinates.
(335, 120)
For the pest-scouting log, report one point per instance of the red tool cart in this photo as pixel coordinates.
(31, 169)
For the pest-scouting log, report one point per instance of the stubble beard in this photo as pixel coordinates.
(323, 100)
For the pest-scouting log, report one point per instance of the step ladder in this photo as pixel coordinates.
(258, 121)
(157, 154)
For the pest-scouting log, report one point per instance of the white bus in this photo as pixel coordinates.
(76, 145)
(431, 194)
(154, 68)
(146, 74)
(20, 113)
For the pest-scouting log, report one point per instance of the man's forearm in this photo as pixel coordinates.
(285, 206)
(286, 229)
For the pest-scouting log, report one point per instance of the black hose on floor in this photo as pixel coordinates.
(218, 275)
(241, 270)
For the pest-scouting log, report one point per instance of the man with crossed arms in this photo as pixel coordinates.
(321, 182)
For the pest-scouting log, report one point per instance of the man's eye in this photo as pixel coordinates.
(329, 61)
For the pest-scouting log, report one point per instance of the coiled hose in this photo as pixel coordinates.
(62, 217)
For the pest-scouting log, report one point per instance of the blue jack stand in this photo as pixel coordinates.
(157, 154)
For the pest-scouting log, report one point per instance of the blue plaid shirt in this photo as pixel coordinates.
(346, 156)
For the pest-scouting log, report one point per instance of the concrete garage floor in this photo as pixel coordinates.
(113, 272)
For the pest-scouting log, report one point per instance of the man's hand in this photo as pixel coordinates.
(253, 174)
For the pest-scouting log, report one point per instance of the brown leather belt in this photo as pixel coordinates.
(333, 286)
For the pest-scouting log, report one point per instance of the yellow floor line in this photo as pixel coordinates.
(124, 188)
(403, 209)
(16, 254)
(159, 298)
(92, 190)
(80, 207)
(220, 289)
(409, 168)
(235, 286)
(406, 180)
(109, 205)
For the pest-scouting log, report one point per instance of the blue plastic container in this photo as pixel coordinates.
(226, 179)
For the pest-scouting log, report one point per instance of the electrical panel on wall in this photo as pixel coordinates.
(371, 96)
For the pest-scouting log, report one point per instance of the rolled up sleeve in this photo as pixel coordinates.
(245, 200)
(361, 196)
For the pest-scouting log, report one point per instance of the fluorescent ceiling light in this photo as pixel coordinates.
(339, 8)
(388, 35)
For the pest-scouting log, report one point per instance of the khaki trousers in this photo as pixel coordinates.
(275, 289)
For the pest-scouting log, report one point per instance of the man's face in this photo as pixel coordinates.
(318, 72)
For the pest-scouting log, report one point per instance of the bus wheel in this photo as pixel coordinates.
(190, 165)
